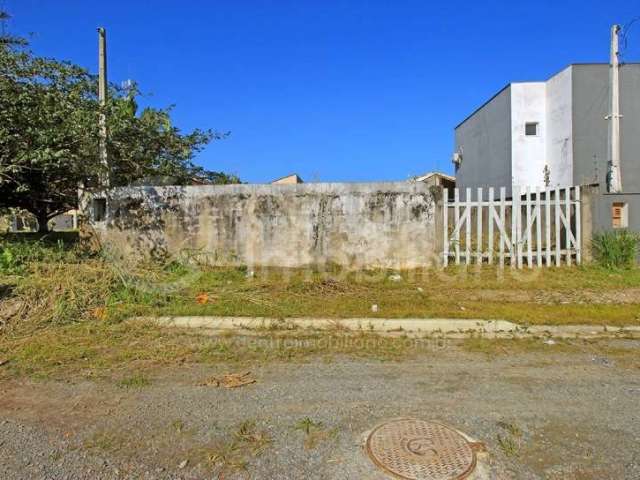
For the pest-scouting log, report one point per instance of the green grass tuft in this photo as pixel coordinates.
(135, 381)
(616, 249)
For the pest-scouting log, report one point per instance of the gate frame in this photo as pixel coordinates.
(518, 242)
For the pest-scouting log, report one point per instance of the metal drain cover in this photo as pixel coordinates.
(413, 449)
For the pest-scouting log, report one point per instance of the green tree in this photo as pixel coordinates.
(49, 135)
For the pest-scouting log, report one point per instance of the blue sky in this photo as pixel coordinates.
(332, 90)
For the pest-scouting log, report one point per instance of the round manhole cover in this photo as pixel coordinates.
(413, 449)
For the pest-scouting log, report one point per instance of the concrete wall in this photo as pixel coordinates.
(602, 218)
(559, 129)
(528, 104)
(630, 128)
(591, 129)
(388, 225)
(484, 139)
(590, 86)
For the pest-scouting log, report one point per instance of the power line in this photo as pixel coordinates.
(625, 33)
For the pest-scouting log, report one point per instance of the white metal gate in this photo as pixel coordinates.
(540, 227)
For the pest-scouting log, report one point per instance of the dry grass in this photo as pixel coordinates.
(98, 349)
(235, 452)
(69, 317)
(625, 356)
(554, 296)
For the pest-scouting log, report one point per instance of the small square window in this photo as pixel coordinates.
(531, 129)
(99, 209)
(619, 215)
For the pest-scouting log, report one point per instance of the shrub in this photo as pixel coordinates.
(17, 255)
(616, 249)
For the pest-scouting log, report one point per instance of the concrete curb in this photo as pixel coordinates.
(441, 327)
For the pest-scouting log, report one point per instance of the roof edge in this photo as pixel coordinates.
(508, 85)
(576, 64)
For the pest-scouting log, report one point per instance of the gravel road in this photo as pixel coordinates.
(541, 415)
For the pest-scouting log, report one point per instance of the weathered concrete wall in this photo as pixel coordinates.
(359, 225)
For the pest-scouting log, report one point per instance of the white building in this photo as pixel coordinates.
(555, 133)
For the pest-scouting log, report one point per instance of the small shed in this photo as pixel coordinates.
(437, 179)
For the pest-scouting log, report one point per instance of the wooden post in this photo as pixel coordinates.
(547, 226)
(557, 221)
(490, 220)
(445, 223)
(567, 226)
(467, 247)
(528, 225)
(516, 223)
(456, 223)
(578, 204)
(538, 228)
(479, 241)
(503, 222)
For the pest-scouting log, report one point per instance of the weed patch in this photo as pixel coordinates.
(314, 432)
(510, 442)
(235, 452)
(135, 381)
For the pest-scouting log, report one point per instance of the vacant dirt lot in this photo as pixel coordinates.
(553, 412)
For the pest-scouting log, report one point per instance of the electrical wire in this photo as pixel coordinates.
(625, 35)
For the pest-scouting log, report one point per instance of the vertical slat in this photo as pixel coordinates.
(456, 223)
(557, 222)
(578, 226)
(516, 254)
(490, 220)
(547, 226)
(503, 192)
(567, 213)
(467, 246)
(538, 229)
(528, 225)
(479, 227)
(445, 222)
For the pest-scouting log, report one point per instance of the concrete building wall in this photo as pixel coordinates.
(630, 128)
(603, 204)
(591, 128)
(590, 98)
(386, 225)
(559, 129)
(528, 152)
(590, 87)
(484, 139)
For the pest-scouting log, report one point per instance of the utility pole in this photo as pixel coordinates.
(102, 99)
(614, 177)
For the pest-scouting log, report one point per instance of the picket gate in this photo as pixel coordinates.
(533, 228)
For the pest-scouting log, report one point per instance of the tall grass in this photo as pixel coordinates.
(58, 283)
(50, 283)
(616, 249)
(16, 256)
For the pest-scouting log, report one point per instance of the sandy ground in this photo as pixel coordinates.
(541, 415)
